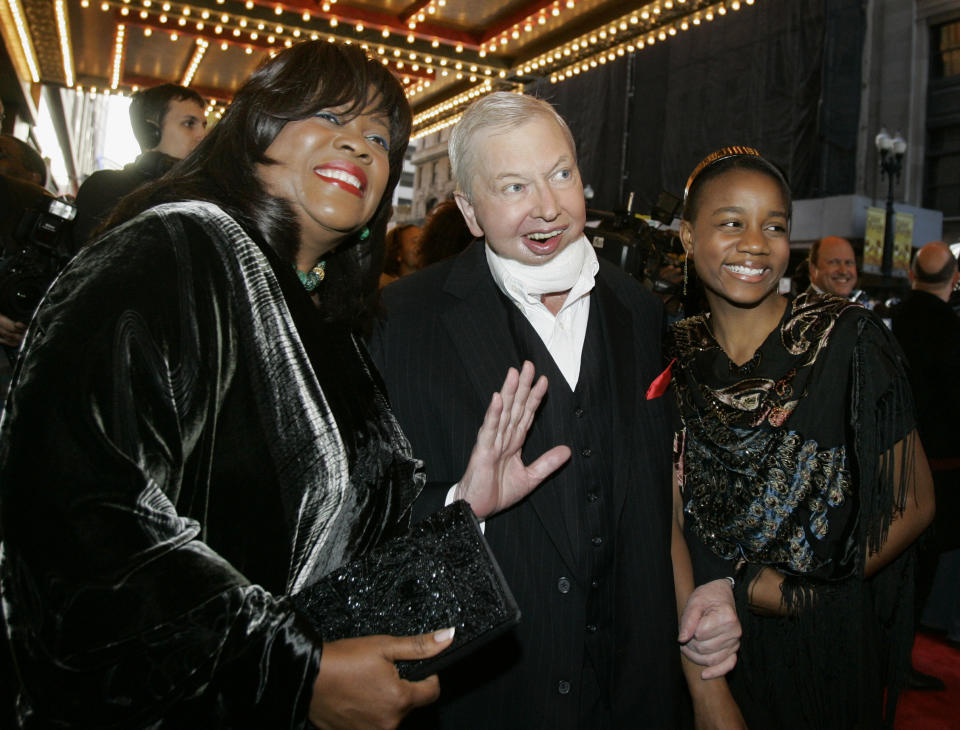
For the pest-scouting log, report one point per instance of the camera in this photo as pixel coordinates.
(40, 248)
(652, 255)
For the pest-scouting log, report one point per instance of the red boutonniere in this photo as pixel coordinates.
(660, 383)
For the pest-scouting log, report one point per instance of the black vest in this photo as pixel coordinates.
(583, 420)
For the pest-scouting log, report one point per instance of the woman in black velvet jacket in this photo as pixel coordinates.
(195, 431)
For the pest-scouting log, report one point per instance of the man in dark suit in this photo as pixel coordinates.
(588, 554)
(929, 332)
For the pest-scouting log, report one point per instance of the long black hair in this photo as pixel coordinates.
(293, 85)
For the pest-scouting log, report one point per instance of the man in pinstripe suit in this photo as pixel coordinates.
(588, 554)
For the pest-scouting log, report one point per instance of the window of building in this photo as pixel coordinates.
(942, 164)
(945, 47)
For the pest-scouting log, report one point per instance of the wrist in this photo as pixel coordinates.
(453, 494)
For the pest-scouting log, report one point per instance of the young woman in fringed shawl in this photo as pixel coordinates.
(799, 470)
(195, 431)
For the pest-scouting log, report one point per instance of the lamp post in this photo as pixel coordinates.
(891, 151)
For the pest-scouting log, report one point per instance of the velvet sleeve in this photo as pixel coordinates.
(118, 611)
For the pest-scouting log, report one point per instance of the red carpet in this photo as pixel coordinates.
(932, 710)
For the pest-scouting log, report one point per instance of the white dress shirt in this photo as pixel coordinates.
(563, 333)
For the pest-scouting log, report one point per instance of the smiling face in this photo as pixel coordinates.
(527, 195)
(332, 169)
(738, 238)
(836, 269)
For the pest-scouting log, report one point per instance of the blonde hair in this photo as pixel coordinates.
(503, 111)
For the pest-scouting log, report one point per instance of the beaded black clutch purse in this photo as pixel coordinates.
(441, 574)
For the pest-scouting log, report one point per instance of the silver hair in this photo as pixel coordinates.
(503, 111)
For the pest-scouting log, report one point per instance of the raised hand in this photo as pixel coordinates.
(496, 477)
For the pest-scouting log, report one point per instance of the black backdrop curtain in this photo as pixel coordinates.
(782, 76)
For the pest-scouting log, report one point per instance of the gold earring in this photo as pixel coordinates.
(685, 275)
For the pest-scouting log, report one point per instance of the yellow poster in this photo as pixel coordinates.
(873, 240)
(902, 243)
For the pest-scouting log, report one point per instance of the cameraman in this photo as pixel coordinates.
(168, 122)
(22, 175)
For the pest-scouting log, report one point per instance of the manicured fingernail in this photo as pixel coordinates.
(443, 635)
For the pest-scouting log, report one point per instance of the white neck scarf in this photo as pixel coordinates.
(559, 274)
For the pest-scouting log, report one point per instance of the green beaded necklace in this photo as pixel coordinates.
(311, 279)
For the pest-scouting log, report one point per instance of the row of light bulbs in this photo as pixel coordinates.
(648, 13)
(63, 33)
(23, 35)
(198, 53)
(429, 9)
(649, 16)
(436, 126)
(584, 65)
(525, 27)
(465, 98)
(233, 28)
(187, 14)
(400, 65)
(215, 107)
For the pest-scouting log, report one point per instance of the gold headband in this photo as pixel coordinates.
(721, 154)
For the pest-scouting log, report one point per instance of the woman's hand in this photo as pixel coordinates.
(496, 477)
(11, 333)
(358, 686)
(765, 593)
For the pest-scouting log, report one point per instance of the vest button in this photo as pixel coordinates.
(563, 687)
(578, 413)
(563, 585)
(586, 453)
(592, 496)
(597, 541)
(591, 628)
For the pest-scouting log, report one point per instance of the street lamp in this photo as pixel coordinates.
(891, 151)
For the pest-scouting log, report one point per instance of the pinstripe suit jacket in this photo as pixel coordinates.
(443, 348)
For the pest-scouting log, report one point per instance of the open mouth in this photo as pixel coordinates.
(544, 241)
(342, 179)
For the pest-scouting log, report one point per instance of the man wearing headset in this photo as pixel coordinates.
(168, 122)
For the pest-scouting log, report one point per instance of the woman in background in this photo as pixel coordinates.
(403, 253)
(800, 473)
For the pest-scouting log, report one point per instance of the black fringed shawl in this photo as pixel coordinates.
(787, 462)
(185, 443)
